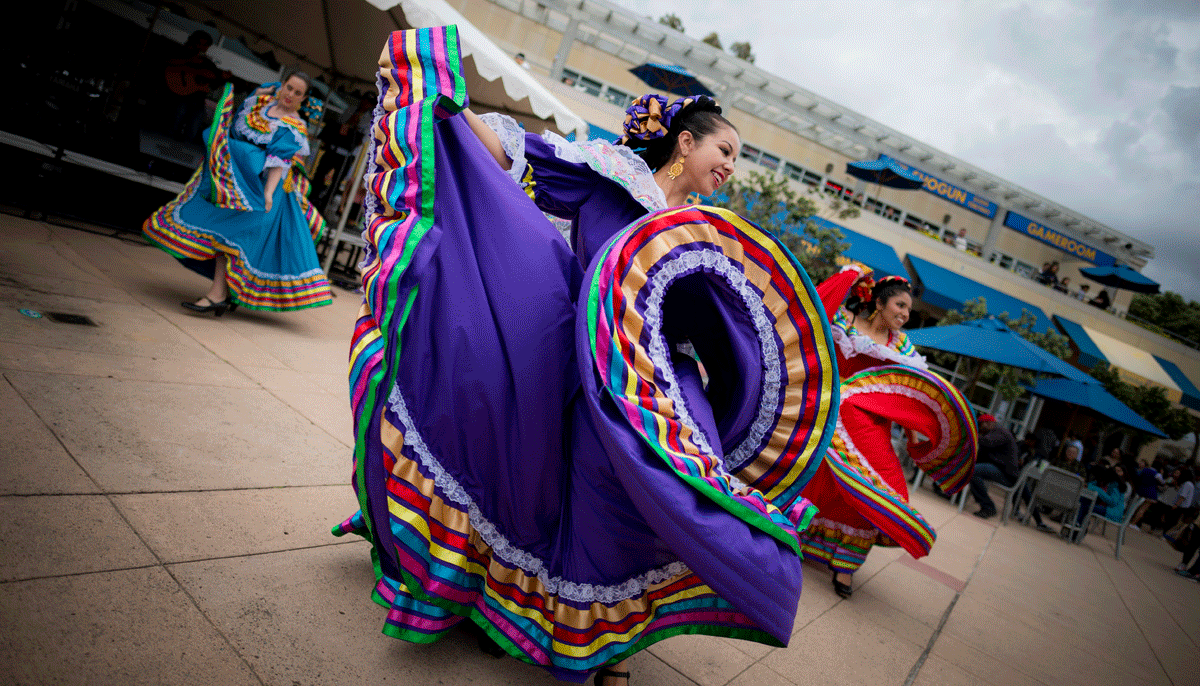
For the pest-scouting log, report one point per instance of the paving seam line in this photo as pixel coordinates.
(916, 668)
(160, 564)
(1136, 622)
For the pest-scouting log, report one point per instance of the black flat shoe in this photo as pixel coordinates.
(605, 673)
(217, 309)
(843, 590)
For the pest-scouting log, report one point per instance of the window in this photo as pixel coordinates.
(811, 179)
(769, 161)
(589, 85)
(618, 97)
(793, 172)
(750, 153)
(914, 222)
(833, 188)
(570, 77)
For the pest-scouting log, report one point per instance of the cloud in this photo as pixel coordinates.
(1093, 106)
(1181, 107)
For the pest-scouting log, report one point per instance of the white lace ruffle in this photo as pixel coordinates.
(263, 138)
(502, 548)
(851, 344)
(512, 139)
(273, 161)
(943, 421)
(370, 200)
(714, 261)
(844, 528)
(617, 163)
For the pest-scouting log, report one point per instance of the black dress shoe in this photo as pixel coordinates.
(603, 674)
(843, 590)
(217, 309)
(985, 514)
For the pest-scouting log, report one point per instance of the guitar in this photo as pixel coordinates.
(185, 80)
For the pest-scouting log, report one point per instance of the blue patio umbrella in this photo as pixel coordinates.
(884, 173)
(671, 79)
(1093, 396)
(989, 339)
(1120, 276)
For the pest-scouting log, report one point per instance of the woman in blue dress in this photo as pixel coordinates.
(244, 219)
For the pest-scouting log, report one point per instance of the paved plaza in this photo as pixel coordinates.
(168, 482)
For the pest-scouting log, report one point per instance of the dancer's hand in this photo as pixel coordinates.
(267, 203)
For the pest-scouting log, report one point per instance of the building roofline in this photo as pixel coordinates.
(740, 84)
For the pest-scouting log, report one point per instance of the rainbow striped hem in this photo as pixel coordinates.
(795, 419)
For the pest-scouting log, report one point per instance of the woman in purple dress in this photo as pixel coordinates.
(536, 450)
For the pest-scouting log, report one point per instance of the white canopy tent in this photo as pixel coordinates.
(340, 40)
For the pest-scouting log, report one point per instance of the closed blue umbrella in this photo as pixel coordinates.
(1120, 276)
(1093, 396)
(989, 339)
(670, 78)
(884, 173)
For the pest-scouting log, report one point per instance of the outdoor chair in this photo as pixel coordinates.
(1012, 493)
(1058, 489)
(1122, 526)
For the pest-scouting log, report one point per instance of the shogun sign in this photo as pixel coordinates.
(1065, 243)
(949, 192)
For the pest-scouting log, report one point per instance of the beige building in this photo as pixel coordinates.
(583, 52)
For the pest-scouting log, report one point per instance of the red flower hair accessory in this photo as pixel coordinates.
(863, 287)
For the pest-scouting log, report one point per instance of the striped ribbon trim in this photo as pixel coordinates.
(224, 189)
(622, 333)
(950, 459)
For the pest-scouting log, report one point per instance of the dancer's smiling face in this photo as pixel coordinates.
(710, 160)
(895, 310)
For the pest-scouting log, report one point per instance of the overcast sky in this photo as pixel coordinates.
(1095, 105)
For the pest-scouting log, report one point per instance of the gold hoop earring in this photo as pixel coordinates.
(677, 168)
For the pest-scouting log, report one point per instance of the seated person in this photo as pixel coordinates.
(1101, 300)
(1110, 500)
(995, 461)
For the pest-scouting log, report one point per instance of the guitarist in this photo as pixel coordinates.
(189, 76)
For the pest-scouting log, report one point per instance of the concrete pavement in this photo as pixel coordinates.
(153, 532)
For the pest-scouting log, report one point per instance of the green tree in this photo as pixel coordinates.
(1148, 401)
(713, 40)
(1169, 311)
(672, 20)
(742, 51)
(770, 202)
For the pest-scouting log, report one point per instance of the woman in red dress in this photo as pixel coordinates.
(860, 489)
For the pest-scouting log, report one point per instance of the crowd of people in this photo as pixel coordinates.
(1048, 276)
(1167, 486)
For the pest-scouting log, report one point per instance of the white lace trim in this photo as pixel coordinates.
(370, 201)
(943, 422)
(512, 139)
(715, 261)
(617, 163)
(844, 528)
(503, 549)
(261, 138)
(273, 161)
(851, 344)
